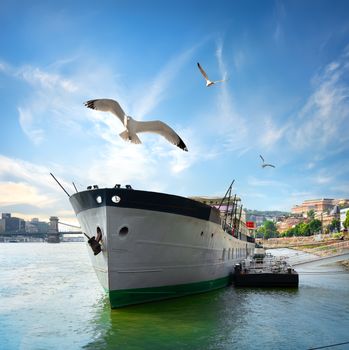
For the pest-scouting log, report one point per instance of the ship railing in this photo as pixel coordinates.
(268, 264)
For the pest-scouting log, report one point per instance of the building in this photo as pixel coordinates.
(326, 209)
(11, 224)
(36, 226)
(2, 226)
(319, 206)
(287, 223)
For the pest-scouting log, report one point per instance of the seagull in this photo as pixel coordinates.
(133, 126)
(266, 164)
(208, 81)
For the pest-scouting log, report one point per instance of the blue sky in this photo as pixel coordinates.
(287, 98)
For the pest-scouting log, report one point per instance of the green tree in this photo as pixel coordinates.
(260, 232)
(311, 215)
(270, 229)
(289, 233)
(335, 225)
(346, 220)
(303, 229)
(314, 227)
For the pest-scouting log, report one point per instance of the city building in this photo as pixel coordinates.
(319, 205)
(36, 226)
(2, 226)
(11, 224)
(326, 209)
(287, 223)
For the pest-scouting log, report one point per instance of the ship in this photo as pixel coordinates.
(147, 246)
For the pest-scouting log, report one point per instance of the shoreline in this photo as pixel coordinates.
(320, 246)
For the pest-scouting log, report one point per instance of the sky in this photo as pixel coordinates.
(286, 98)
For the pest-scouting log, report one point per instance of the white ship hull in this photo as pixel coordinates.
(152, 254)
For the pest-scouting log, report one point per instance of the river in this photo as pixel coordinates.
(51, 299)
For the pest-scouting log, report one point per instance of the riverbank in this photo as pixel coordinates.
(321, 245)
(306, 241)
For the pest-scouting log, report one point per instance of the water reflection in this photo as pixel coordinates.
(179, 323)
(216, 320)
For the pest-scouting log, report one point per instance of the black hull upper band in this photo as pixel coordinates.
(136, 199)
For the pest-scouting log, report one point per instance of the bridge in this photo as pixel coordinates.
(53, 235)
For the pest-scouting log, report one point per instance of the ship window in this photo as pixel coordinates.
(99, 199)
(223, 254)
(116, 199)
(202, 233)
(211, 234)
(123, 231)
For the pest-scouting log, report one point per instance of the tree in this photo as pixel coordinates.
(289, 233)
(303, 229)
(335, 225)
(260, 232)
(269, 229)
(311, 215)
(346, 220)
(314, 227)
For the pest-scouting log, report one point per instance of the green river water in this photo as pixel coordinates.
(51, 299)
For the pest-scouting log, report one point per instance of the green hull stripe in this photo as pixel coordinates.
(124, 297)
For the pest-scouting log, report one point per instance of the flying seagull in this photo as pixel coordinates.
(133, 126)
(208, 81)
(266, 164)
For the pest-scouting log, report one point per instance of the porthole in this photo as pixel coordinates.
(202, 233)
(116, 199)
(211, 234)
(123, 231)
(99, 199)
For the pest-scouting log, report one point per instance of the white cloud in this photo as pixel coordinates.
(322, 179)
(272, 133)
(227, 121)
(46, 80)
(28, 191)
(26, 122)
(50, 96)
(325, 115)
(257, 182)
(310, 165)
(20, 193)
(343, 189)
(239, 59)
(157, 88)
(280, 14)
(38, 176)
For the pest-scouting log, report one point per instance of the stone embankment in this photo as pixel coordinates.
(321, 245)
